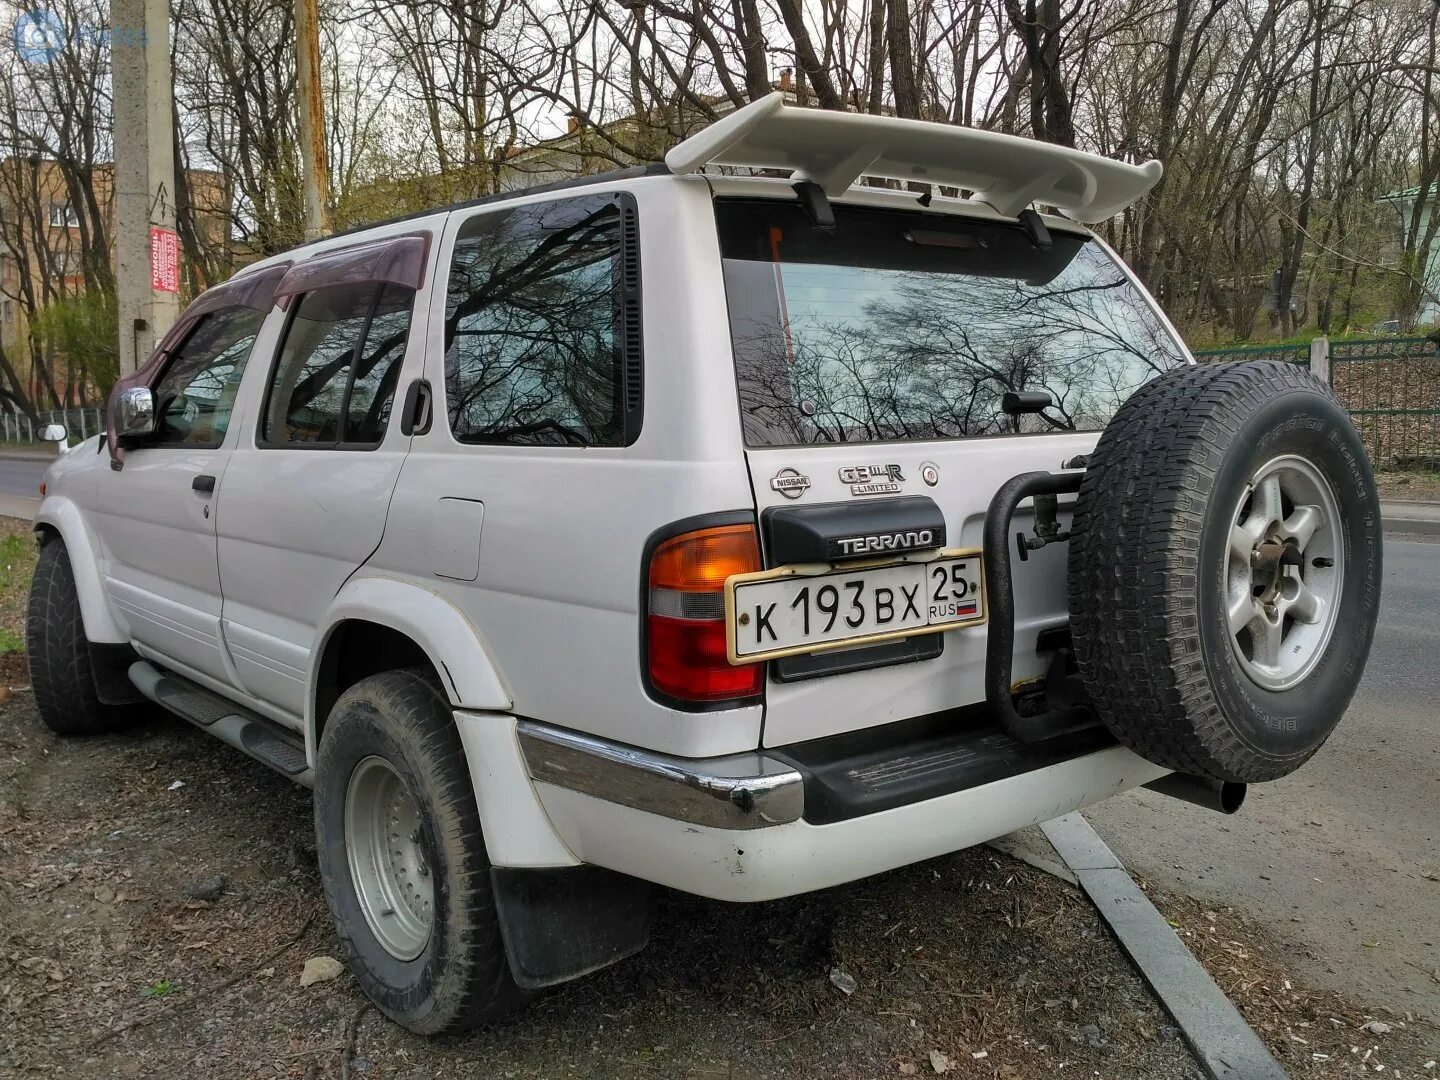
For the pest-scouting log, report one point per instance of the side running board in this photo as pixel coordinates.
(264, 740)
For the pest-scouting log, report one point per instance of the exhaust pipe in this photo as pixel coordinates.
(1219, 795)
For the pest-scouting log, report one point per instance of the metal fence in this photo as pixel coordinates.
(1289, 354)
(1390, 385)
(1392, 388)
(80, 424)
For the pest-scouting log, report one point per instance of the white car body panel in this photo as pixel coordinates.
(60, 512)
(434, 622)
(581, 601)
(518, 832)
(160, 571)
(297, 522)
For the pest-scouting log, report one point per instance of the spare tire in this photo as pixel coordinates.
(1224, 572)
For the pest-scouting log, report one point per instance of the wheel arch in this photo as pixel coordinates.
(59, 518)
(376, 624)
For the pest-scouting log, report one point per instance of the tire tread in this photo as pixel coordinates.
(62, 673)
(1133, 590)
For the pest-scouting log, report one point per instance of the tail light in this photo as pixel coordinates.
(685, 623)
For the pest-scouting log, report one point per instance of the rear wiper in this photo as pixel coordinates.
(1015, 402)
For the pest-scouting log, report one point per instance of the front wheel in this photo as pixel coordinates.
(62, 669)
(403, 860)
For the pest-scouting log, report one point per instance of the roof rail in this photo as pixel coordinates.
(835, 149)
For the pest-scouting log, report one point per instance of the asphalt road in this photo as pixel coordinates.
(20, 476)
(1334, 857)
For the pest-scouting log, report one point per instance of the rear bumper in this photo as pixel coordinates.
(733, 828)
(740, 791)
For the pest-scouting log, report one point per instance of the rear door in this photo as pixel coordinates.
(306, 498)
(872, 360)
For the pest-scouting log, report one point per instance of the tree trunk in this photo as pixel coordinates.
(902, 60)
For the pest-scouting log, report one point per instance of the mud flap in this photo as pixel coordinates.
(110, 668)
(563, 922)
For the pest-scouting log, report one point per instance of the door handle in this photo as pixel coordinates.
(203, 484)
(415, 412)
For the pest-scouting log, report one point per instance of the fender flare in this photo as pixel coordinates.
(451, 641)
(65, 518)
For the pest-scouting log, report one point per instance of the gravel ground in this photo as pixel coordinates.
(107, 968)
(121, 955)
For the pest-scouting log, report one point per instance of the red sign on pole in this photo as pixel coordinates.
(164, 260)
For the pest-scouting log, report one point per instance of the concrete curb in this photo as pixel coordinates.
(1402, 518)
(1225, 1045)
(23, 507)
(28, 455)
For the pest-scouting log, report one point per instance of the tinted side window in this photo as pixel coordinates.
(334, 378)
(533, 326)
(195, 396)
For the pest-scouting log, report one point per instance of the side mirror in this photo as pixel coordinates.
(135, 412)
(55, 433)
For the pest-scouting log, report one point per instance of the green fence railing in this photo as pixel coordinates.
(1390, 385)
(1392, 388)
(1289, 354)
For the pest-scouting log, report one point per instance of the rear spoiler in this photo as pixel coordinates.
(834, 149)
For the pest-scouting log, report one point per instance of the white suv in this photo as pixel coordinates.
(667, 526)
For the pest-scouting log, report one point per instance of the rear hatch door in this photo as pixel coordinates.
(872, 360)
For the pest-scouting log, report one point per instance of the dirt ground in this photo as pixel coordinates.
(1412, 487)
(974, 964)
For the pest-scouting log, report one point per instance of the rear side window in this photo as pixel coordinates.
(898, 325)
(195, 396)
(542, 325)
(334, 378)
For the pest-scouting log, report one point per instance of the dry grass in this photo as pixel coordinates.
(17, 563)
(1312, 1033)
(972, 954)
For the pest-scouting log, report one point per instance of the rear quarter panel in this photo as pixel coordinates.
(556, 598)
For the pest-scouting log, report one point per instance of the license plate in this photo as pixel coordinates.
(791, 610)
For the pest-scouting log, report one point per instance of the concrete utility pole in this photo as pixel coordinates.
(314, 161)
(144, 177)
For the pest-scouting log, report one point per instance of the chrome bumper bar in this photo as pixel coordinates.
(739, 791)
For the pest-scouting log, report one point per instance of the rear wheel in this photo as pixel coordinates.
(62, 671)
(403, 860)
(1225, 569)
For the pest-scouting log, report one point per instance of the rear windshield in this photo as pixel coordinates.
(897, 325)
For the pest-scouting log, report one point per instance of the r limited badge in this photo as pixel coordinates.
(872, 479)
